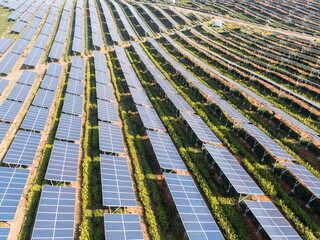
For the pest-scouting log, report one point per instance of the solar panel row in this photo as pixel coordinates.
(77, 45)
(61, 35)
(153, 18)
(110, 23)
(97, 41)
(166, 15)
(101, 68)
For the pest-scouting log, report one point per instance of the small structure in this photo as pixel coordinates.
(217, 23)
(172, 1)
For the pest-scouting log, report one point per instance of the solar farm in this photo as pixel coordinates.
(188, 119)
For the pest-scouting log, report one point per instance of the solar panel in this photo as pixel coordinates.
(9, 110)
(154, 18)
(43, 98)
(267, 142)
(27, 77)
(77, 74)
(272, 221)
(179, 102)
(54, 70)
(8, 63)
(3, 84)
(48, 26)
(56, 51)
(166, 153)
(234, 172)
(117, 189)
(77, 45)
(18, 27)
(50, 82)
(56, 213)
(140, 97)
(4, 128)
(73, 104)
(107, 111)
(19, 92)
(69, 127)
(75, 87)
(4, 233)
(63, 164)
(77, 62)
(110, 138)
(20, 46)
(5, 43)
(12, 183)
(305, 176)
(194, 213)
(229, 110)
(104, 92)
(199, 127)
(29, 33)
(35, 119)
(102, 77)
(78, 31)
(33, 57)
(23, 148)
(122, 226)
(166, 15)
(150, 118)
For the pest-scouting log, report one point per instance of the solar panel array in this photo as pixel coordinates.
(117, 189)
(61, 34)
(165, 151)
(110, 23)
(179, 102)
(69, 127)
(63, 165)
(272, 147)
(56, 213)
(107, 111)
(198, 126)
(234, 172)
(272, 221)
(12, 184)
(78, 45)
(73, 104)
(95, 26)
(134, 12)
(122, 226)
(184, 18)
(23, 148)
(110, 138)
(150, 118)
(3, 84)
(153, 18)
(166, 15)
(35, 119)
(4, 233)
(104, 92)
(194, 213)
(5, 43)
(124, 20)
(4, 128)
(140, 97)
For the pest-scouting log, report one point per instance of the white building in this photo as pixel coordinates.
(217, 23)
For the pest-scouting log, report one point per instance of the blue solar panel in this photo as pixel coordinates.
(50, 82)
(75, 87)
(194, 213)
(107, 111)
(78, 32)
(60, 36)
(20, 46)
(110, 138)
(56, 51)
(63, 165)
(3, 84)
(19, 92)
(35, 119)
(150, 118)
(117, 189)
(166, 153)
(73, 104)
(5, 43)
(54, 70)
(35, 23)
(4, 233)
(27, 77)
(33, 57)
(4, 128)
(23, 148)
(18, 27)
(56, 213)
(29, 33)
(77, 45)
(43, 98)
(140, 97)
(77, 62)
(69, 127)
(104, 92)
(12, 183)
(9, 110)
(77, 73)
(102, 77)
(41, 41)
(122, 226)
(8, 62)
(47, 27)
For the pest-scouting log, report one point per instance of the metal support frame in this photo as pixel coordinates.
(264, 155)
(310, 200)
(294, 186)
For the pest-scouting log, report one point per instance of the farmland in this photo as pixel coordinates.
(143, 120)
